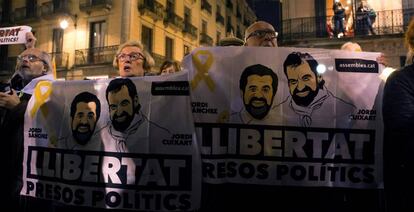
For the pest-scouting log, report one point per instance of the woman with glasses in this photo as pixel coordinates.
(132, 60)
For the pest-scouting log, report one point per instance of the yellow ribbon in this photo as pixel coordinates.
(202, 70)
(40, 98)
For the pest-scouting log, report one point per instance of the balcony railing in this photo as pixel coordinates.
(386, 22)
(152, 8)
(89, 5)
(25, 14)
(158, 59)
(206, 6)
(190, 29)
(174, 20)
(229, 5)
(205, 39)
(219, 18)
(61, 60)
(95, 56)
(49, 9)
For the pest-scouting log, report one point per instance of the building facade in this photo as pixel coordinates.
(85, 45)
(312, 25)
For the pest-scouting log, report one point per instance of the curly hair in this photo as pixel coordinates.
(409, 35)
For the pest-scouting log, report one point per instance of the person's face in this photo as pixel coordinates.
(261, 34)
(130, 62)
(258, 95)
(303, 84)
(168, 70)
(121, 108)
(30, 64)
(84, 121)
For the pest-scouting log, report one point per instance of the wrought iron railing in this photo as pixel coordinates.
(50, 8)
(386, 22)
(219, 18)
(153, 8)
(190, 29)
(25, 14)
(86, 5)
(206, 6)
(205, 39)
(95, 56)
(174, 20)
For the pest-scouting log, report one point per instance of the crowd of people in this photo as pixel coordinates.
(132, 60)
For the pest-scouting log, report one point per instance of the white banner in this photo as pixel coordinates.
(13, 35)
(117, 143)
(288, 116)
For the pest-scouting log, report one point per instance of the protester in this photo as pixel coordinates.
(260, 33)
(398, 116)
(169, 67)
(33, 66)
(365, 18)
(339, 17)
(132, 60)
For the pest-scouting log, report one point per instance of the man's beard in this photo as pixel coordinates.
(304, 101)
(82, 137)
(122, 126)
(257, 112)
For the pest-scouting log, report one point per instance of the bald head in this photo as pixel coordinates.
(260, 33)
(351, 46)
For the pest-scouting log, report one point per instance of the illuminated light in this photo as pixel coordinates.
(321, 68)
(330, 68)
(64, 24)
(346, 8)
(348, 1)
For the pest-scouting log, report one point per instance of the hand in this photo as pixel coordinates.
(382, 60)
(9, 101)
(30, 40)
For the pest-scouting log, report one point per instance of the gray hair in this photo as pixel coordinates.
(148, 60)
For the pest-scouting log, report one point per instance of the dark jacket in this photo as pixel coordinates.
(11, 131)
(398, 112)
(339, 12)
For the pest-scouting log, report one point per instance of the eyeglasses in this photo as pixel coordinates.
(31, 58)
(133, 56)
(262, 33)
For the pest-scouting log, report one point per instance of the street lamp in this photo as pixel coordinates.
(64, 22)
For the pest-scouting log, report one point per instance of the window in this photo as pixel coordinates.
(187, 15)
(97, 34)
(170, 6)
(31, 6)
(218, 37)
(169, 46)
(204, 27)
(147, 38)
(57, 40)
(186, 50)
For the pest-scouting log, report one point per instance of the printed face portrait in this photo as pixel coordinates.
(303, 83)
(258, 95)
(121, 108)
(84, 121)
(130, 62)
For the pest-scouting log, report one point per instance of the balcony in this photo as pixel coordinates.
(24, 14)
(158, 59)
(173, 20)
(387, 22)
(49, 10)
(90, 5)
(61, 60)
(95, 56)
(190, 29)
(219, 18)
(151, 8)
(206, 6)
(205, 39)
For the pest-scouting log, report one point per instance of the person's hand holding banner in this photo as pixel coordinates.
(15, 35)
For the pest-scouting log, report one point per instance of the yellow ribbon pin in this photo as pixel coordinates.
(41, 97)
(202, 69)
